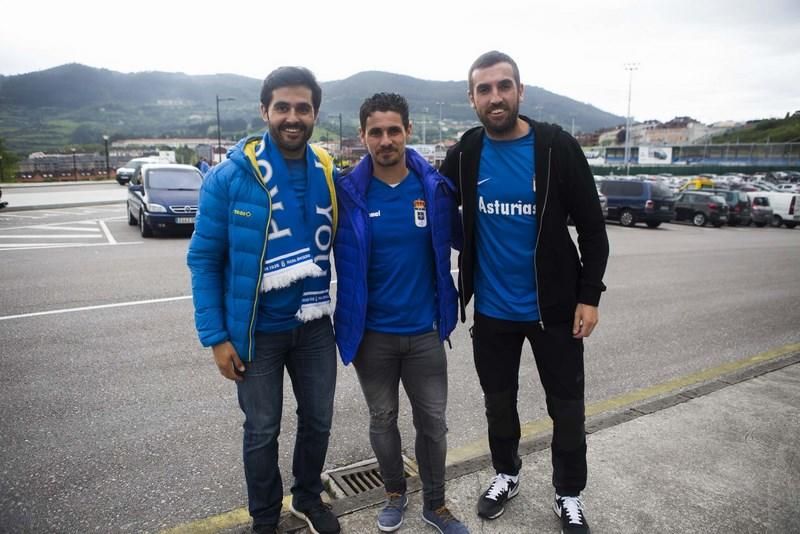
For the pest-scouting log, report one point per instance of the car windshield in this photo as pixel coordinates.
(760, 201)
(174, 179)
(716, 198)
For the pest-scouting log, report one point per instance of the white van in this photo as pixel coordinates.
(127, 171)
(785, 208)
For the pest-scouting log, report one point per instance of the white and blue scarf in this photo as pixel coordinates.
(298, 249)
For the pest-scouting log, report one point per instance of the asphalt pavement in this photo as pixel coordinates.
(709, 453)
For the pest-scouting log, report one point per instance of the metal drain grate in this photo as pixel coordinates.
(361, 477)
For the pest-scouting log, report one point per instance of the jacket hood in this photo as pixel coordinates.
(237, 155)
(358, 179)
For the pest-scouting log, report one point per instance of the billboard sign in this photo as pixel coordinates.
(655, 155)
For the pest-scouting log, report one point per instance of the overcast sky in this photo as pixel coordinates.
(712, 60)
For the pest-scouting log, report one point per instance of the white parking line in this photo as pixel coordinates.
(91, 308)
(106, 306)
(33, 246)
(107, 232)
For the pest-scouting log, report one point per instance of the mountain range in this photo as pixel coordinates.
(74, 104)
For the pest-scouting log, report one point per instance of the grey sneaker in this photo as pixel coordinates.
(391, 517)
(442, 520)
(572, 514)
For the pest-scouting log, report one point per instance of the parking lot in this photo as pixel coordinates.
(115, 419)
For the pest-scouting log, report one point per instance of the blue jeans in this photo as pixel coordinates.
(309, 354)
(382, 362)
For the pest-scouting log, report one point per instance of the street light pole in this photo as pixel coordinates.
(74, 165)
(2, 171)
(108, 172)
(219, 131)
(340, 138)
(440, 121)
(630, 67)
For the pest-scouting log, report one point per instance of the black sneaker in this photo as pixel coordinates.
(572, 514)
(318, 516)
(264, 529)
(492, 503)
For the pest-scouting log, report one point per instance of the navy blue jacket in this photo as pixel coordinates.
(351, 249)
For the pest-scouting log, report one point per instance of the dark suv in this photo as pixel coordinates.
(632, 201)
(738, 206)
(700, 207)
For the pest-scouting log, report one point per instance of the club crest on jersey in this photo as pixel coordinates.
(420, 215)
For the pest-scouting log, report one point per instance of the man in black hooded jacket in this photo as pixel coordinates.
(518, 181)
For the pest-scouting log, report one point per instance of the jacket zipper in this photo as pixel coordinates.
(539, 234)
(461, 304)
(254, 311)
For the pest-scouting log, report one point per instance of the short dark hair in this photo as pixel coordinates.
(384, 102)
(490, 58)
(288, 77)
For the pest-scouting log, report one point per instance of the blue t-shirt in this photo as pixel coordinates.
(505, 281)
(401, 287)
(276, 308)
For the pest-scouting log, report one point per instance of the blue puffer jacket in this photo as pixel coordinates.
(351, 249)
(228, 247)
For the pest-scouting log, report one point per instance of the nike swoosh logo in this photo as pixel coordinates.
(484, 180)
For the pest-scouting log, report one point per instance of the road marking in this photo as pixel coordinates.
(43, 236)
(34, 246)
(107, 232)
(92, 308)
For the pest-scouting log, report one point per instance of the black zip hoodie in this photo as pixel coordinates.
(564, 186)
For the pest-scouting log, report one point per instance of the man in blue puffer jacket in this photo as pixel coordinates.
(259, 259)
(396, 301)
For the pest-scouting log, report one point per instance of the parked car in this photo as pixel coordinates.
(738, 205)
(3, 204)
(164, 197)
(131, 168)
(760, 210)
(632, 201)
(785, 208)
(700, 207)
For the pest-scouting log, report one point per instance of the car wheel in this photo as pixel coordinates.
(626, 218)
(790, 225)
(699, 219)
(776, 221)
(131, 218)
(653, 224)
(144, 228)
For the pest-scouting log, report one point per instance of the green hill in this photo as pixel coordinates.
(74, 104)
(784, 130)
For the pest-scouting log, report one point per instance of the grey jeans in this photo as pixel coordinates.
(383, 360)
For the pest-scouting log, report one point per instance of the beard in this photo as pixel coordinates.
(292, 143)
(499, 127)
(387, 158)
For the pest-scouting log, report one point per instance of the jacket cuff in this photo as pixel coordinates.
(210, 341)
(590, 295)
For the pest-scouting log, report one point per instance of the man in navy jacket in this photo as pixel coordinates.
(396, 301)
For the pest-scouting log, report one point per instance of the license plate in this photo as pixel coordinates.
(184, 220)
(664, 208)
